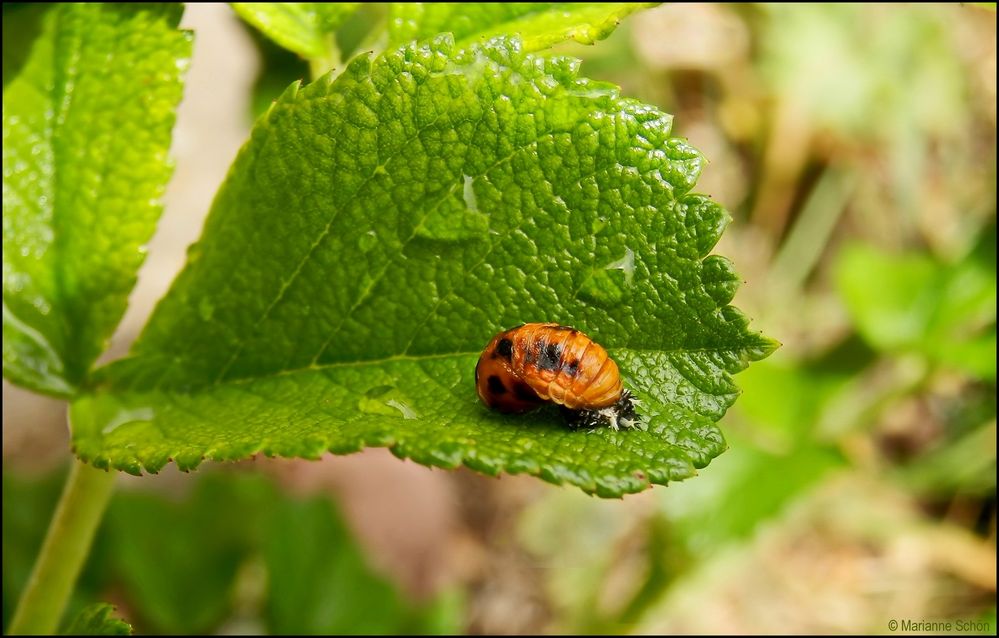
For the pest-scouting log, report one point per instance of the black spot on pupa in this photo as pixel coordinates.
(524, 392)
(572, 368)
(549, 357)
(532, 353)
(505, 348)
(496, 386)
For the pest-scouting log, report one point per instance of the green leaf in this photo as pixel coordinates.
(319, 581)
(305, 28)
(538, 24)
(96, 620)
(86, 129)
(345, 283)
(912, 303)
(22, 23)
(178, 561)
(778, 453)
(182, 562)
(278, 68)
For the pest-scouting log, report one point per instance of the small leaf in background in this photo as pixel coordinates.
(539, 24)
(278, 68)
(86, 129)
(22, 23)
(174, 561)
(97, 620)
(178, 560)
(305, 28)
(322, 310)
(319, 581)
(913, 303)
(775, 458)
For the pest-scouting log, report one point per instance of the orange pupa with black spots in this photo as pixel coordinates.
(526, 366)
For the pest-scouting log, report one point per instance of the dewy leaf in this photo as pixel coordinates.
(538, 24)
(86, 129)
(305, 28)
(97, 620)
(323, 310)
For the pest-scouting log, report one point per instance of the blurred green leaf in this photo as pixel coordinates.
(775, 457)
(783, 400)
(86, 129)
(174, 559)
(96, 620)
(750, 487)
(306, 28)
(538, 24)
(319, 581)
(384, 228)
(278, 68)
(891, 299)
(22, 23)
(178, 560)
(911, 303)
(363, 30)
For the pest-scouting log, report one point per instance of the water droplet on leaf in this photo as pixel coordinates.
(367, 241)
(407, 412)
(453, 220)
(386, 400)
(625, 264)
(469, 194)
(610, 284)
(131, 417)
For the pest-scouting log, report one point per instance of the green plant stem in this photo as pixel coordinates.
(80, 508)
